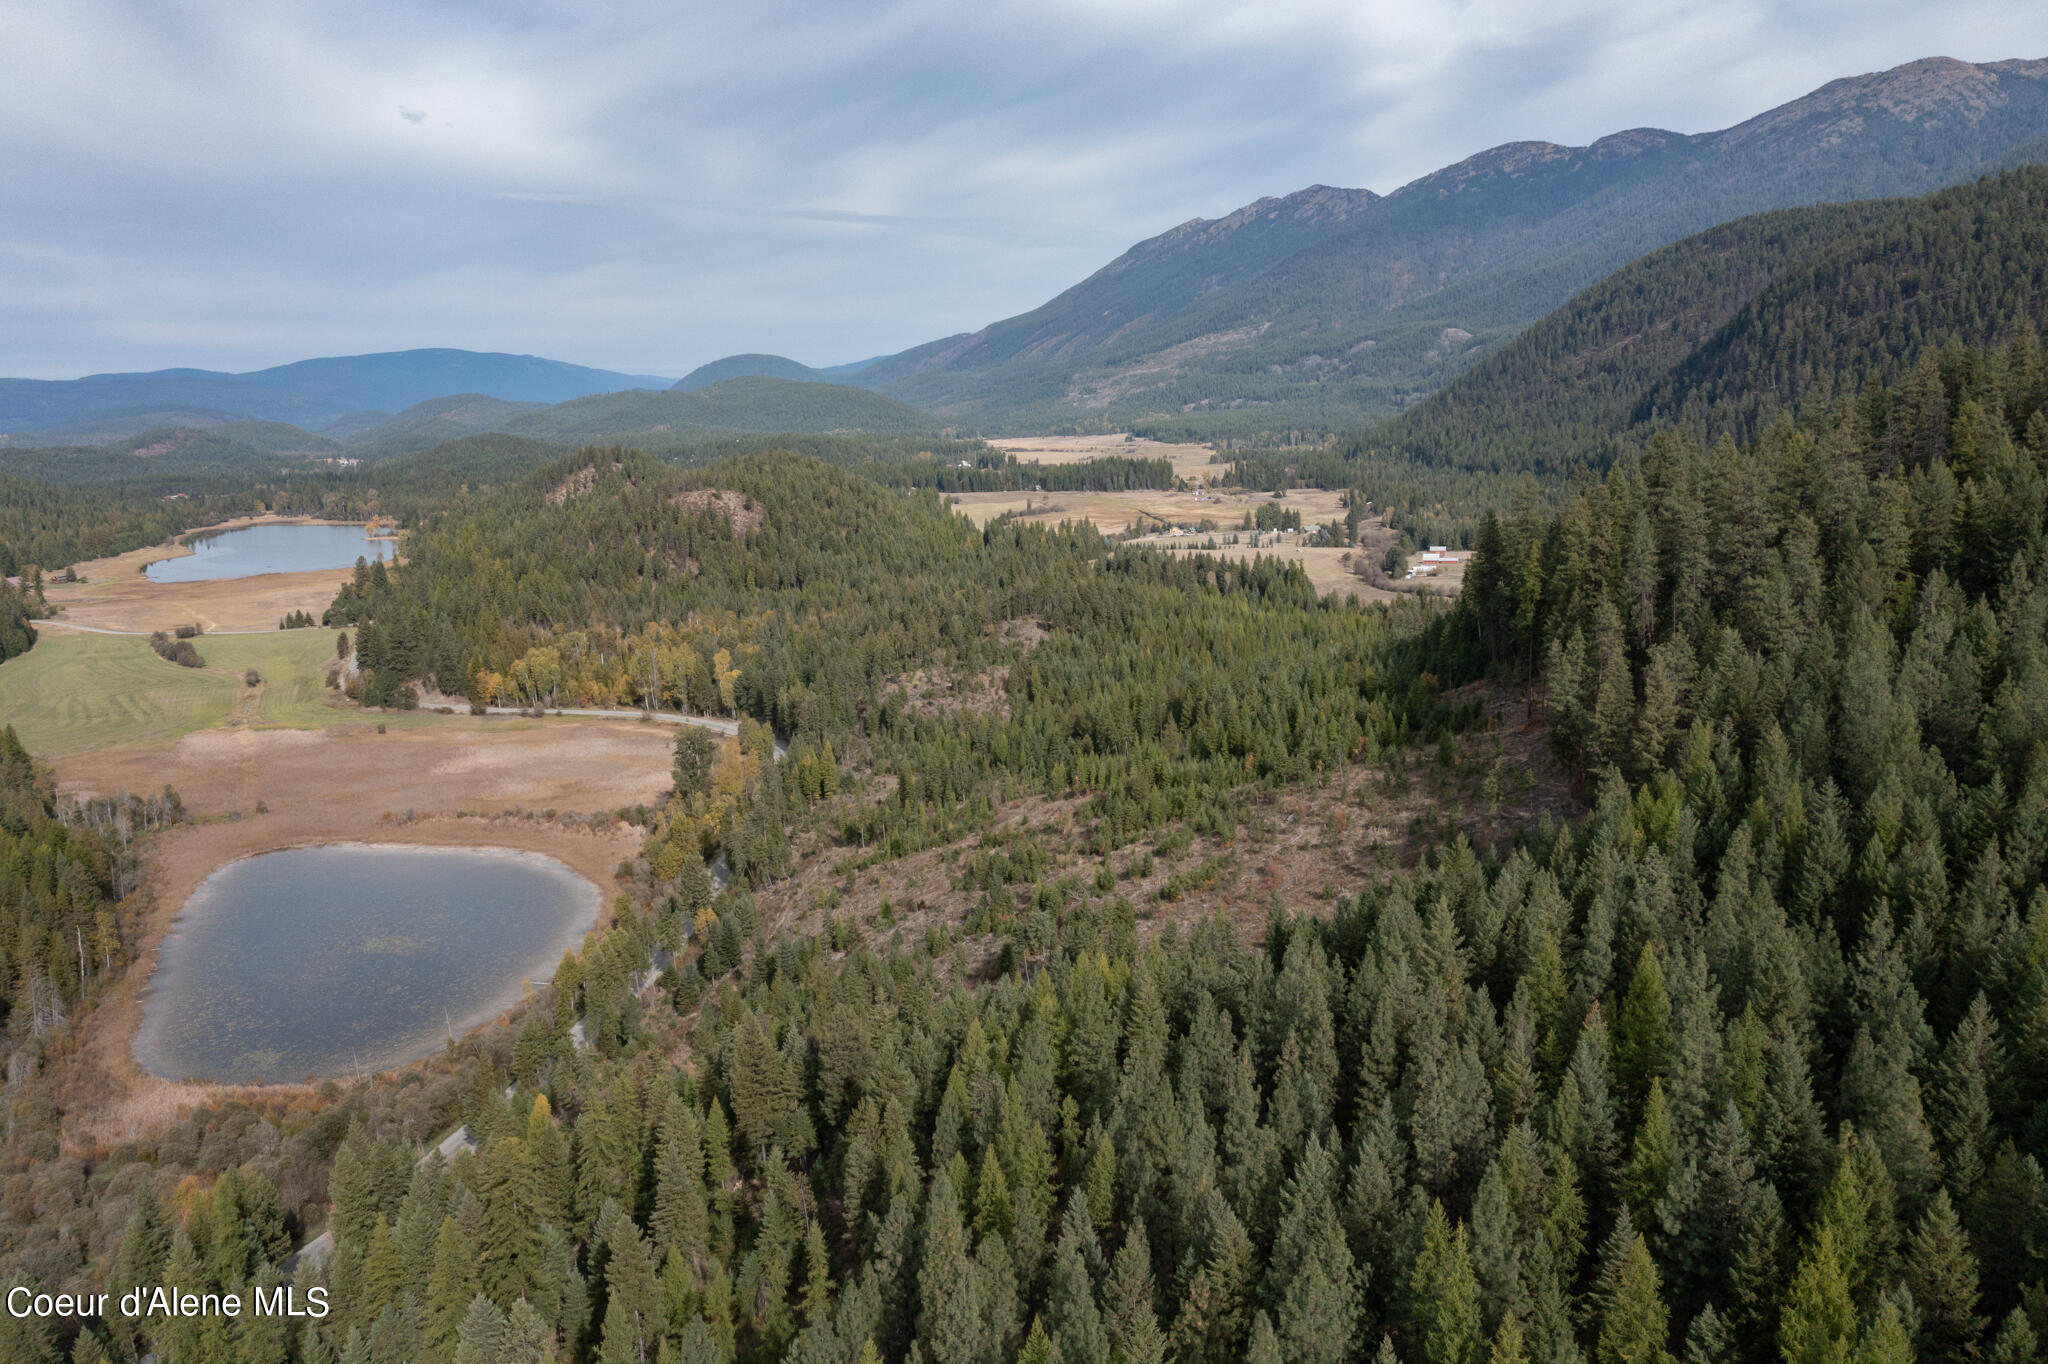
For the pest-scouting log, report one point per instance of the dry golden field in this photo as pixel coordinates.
(1195, 463)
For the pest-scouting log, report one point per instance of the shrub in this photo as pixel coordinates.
(178, 651)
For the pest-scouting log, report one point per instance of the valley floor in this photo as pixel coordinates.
(283, 763)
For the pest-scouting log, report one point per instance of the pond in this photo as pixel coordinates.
(352, 957)
(252, 550)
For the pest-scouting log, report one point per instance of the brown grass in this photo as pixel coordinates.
(1114, 513)
(1191, 462)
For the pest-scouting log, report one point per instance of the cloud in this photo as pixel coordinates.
(646, 186)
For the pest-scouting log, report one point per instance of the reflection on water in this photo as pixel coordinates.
(269, 549)
(352, 957)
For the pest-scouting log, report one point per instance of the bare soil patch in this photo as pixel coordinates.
(737, 511)
(1303, 844)
(931, 692)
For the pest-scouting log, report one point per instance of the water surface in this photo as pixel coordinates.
(352, 957)
(252, 550)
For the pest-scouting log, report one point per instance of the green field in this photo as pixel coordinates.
(76, 692)
(294, 668)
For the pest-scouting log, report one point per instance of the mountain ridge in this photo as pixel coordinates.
(308, 392)
(1332, 306)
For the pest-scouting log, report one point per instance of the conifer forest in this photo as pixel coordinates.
(1667, 983)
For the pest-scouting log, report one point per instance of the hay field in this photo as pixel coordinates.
(1116, 513)
(1191, 462)
(76, 692)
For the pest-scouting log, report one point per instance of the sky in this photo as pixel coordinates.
(645, 186)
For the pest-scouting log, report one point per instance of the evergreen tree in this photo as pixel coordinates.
(1942, 1275)
(1446, 1294)
(950, 1322)
(452, 1288)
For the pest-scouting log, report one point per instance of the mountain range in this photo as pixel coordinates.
(1323, 310)
(1329, 306)
(307, 393)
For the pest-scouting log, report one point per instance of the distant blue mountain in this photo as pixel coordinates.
(749, 366)
(309, 392)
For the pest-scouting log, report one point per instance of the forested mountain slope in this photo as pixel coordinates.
(751, 365)
(1331, 304)
(785, 589)
(1723, 330)
(746, 403)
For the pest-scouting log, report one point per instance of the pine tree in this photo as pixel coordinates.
(144, 1250)
(1942, 1275)
(634, 1318)
(1653, 1156)
(451, 1289)
(681, 1214)
(1887, 1341)
(1818, 1322)
(528, 1339)
(1216, 1314)
(1076, 1321)
(1635, 1325)
(1642, 1029)
(2016, 1342)
(383, 1269)
(483, 1337)
(993, 1215)
(950, 1324)
(1134, 1334)
(1446, 1294)
(1265, 1345)
(1312, 1282)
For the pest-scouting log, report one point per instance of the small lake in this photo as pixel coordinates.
(352, 957)
(252, 550)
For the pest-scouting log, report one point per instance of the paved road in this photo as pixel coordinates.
(729, 728)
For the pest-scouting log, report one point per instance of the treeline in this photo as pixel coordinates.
(177, 646)
(60, 931)
(42, 526)
(18, 606)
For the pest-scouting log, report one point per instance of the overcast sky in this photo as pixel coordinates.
(647, 186)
